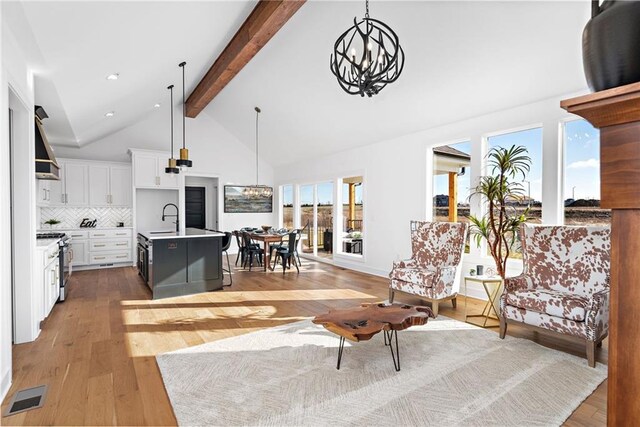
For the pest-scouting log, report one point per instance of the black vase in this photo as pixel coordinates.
(611, 44)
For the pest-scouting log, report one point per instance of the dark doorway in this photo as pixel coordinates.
(195, 207)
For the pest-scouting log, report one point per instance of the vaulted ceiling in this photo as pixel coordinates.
(463, 59)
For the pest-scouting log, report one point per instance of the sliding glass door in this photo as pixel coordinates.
(316, 219)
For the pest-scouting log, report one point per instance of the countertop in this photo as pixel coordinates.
(43, 244)
(189, 233)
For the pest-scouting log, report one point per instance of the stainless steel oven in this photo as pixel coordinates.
(66, 265)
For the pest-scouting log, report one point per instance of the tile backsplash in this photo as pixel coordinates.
(72, 217)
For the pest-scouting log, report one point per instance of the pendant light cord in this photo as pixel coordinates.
(366, 15)
(171, 109)
(184, 107)
(257, 115)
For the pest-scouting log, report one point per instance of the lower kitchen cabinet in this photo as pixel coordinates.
(97, 248)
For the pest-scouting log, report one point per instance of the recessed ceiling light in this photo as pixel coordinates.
(110, 114)
(157, 105)
(113, 76)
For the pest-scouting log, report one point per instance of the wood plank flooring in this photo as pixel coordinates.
(96, 350)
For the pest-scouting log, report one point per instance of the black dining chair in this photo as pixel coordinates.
(288, 253)
(241, 248)
(251, 249)
(226, 243)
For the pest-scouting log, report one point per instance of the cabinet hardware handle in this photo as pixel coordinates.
(121, 234)
(99, 246)
(98, 257)
(98, 235)
(76, 235)
(122, 244)
(122, 256)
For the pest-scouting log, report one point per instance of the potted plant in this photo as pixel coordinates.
(51, 222)
(501, 191)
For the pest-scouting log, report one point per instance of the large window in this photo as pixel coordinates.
(531, 183)
(352, 236)
(452, 182)
(287, 207)
(582, 175)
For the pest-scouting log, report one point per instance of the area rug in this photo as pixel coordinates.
(452, 373)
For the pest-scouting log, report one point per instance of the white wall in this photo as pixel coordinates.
(15, 75)
(149, 204)
(398, 180)
(215, 152)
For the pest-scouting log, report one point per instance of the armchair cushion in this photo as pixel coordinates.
(417, 276)
(553, 303)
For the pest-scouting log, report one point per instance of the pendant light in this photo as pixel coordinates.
(171, 167)
(257, 191)
(367, 57)
(184, 161)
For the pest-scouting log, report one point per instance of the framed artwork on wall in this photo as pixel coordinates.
(236, 202)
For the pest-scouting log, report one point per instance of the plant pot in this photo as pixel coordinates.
(611, 44)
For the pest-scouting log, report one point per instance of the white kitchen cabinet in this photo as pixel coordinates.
(73, 187)
(79, 252)
(149, 171)
(109, 185)
(52, 285)
(120, 185)
(99, 185)
(146, 170)
(44, 192)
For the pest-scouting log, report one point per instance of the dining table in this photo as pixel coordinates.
(267, 239)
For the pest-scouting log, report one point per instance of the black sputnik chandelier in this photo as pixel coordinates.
(367, 57)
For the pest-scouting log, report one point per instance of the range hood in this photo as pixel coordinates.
(46, 164)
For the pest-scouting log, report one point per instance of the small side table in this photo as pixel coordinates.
(492, 286)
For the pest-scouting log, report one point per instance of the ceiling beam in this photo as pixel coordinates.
(263, 23)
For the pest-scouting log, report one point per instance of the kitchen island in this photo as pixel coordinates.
(180, 263)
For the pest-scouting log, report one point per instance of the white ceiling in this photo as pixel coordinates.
(463, 59)
(84, 41)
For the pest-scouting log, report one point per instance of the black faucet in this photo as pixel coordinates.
(176, 215)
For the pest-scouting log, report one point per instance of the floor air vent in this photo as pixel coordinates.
(25, 400)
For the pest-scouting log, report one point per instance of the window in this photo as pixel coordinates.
(352, 236)
(452, 182)
(531, 139)
(287, 207)
(306, 218)
(582, 175)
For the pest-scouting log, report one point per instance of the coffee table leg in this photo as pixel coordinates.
(340, 349)
(388, 337)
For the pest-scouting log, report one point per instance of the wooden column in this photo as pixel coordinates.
(453, 197)
(616, 112)
(352, 204)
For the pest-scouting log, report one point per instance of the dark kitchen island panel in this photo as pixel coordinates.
(184, 264)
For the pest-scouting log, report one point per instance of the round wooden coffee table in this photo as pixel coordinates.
(362, 323)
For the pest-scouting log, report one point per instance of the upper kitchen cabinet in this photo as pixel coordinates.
(148, 170)
(73, 187)
(109, 185)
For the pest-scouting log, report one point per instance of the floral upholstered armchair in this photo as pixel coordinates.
(433, 272)
(564, 286)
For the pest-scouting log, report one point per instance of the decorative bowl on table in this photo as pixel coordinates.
(266, 228)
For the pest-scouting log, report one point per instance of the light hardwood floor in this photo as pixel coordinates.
(96, 350)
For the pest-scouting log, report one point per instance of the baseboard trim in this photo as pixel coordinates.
(5, 385)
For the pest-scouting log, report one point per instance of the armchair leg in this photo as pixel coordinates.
(392, 294)
(454, 302)
(599, 345)
(434, 308)
(503, 327)
(591, 353)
